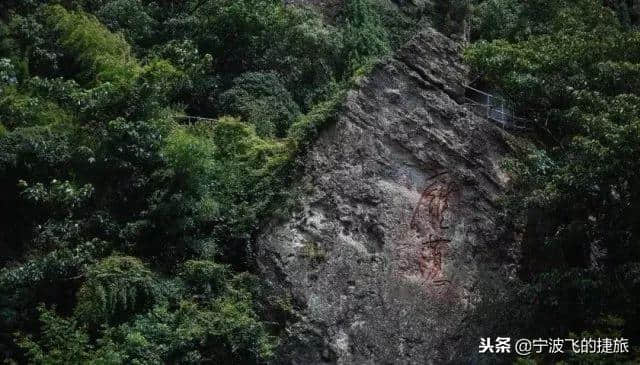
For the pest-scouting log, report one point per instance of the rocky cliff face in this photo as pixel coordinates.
(398, 229)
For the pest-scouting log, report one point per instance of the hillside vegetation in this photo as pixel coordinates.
(572, 68)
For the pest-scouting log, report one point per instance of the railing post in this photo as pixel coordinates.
(488, 106)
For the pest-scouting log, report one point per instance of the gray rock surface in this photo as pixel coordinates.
(398, 229)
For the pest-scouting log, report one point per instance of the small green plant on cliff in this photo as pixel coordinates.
(313, 252)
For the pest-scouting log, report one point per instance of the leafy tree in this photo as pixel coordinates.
(262, 100)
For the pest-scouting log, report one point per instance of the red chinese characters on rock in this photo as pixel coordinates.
(428, 221)
(430, 263)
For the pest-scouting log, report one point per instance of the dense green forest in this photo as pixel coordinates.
(126, 232)
(572, 68)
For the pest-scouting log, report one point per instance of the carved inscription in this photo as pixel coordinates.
(428, 220)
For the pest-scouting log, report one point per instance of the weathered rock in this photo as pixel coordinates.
(399, 222)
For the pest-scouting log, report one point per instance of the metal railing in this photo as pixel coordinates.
(190, 119)
(495, 109)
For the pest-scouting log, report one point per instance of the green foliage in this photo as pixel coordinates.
(60, 198)
(24, 43)
(628, 12)
(400, 19)
(61, 341)
(314, 253)
(494, 19)
(37, 152)
(309, 125)
(240, 31)
(199, 90)
(61, 264)
(25, 106)
(513, 20)
(103, 56)
(191, 157)
(151, 91)
(246, 169)
(308, 59)
(606, 327)
(205, 276)
(253, 35)
(132, 18)
(66, 94)
(7, 73)
(230, 177)
(364, 35)
(226, 330)
(262, 100)
(114, 288)
(24, 111)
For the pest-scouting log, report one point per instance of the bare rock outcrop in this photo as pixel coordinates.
(398, 230)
